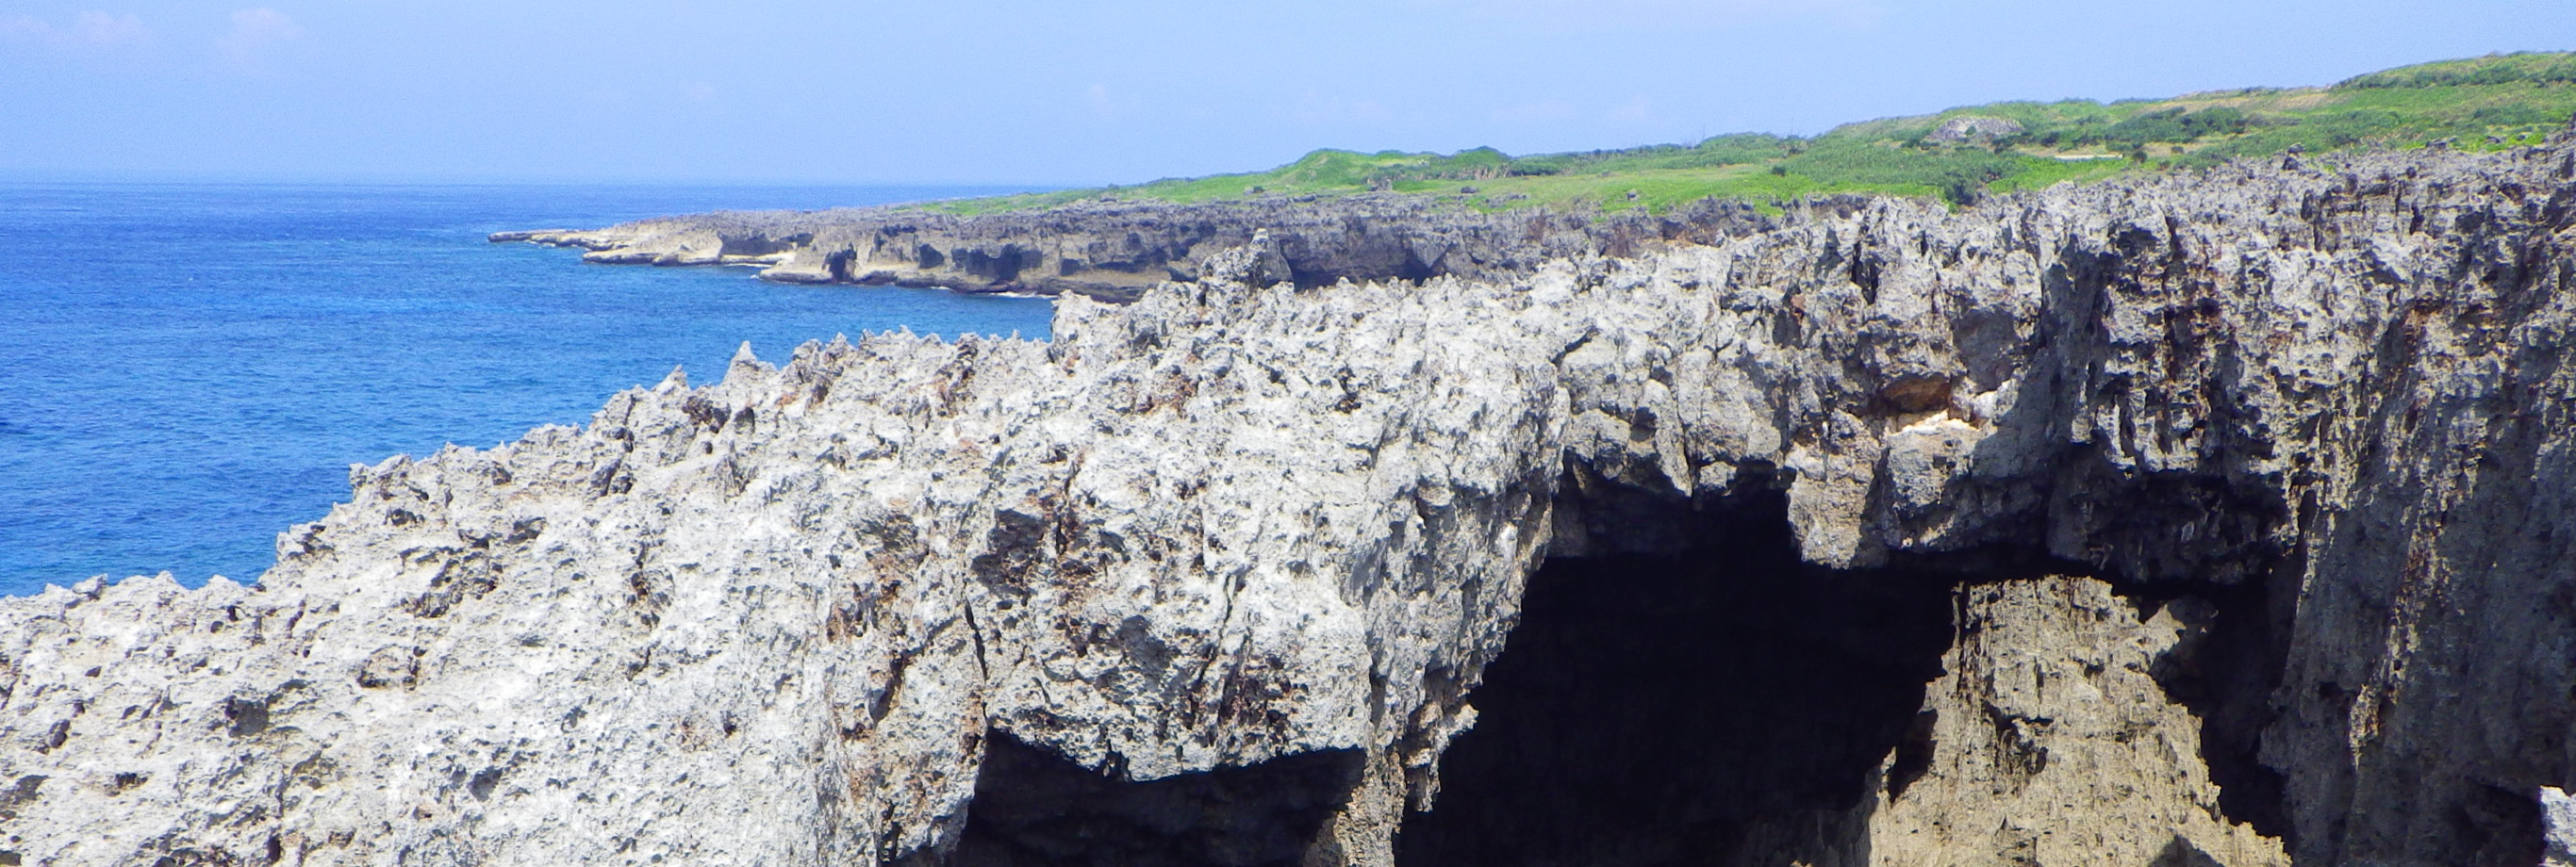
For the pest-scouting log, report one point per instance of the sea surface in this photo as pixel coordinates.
(186, 370)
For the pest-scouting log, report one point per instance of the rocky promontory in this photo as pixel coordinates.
(1116, 249)
(2216, 517)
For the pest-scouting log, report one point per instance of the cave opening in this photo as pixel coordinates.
(1033, 807)
(1717, 702)
(2227, 673)
(1725, 704)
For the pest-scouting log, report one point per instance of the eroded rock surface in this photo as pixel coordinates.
(2050, 739)
(785, 619)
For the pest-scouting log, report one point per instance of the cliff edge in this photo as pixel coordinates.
(1114, 249)
(2220, 517)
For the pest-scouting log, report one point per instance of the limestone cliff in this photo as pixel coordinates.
(1115, 249)
(2186, 519)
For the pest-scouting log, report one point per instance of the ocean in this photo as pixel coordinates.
(186, 370)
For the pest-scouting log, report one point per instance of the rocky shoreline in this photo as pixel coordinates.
(1115, 250)
(2184, 519)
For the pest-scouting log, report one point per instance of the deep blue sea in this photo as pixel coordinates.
(186, 370)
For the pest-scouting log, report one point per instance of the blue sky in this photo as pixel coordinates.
(1002, 91)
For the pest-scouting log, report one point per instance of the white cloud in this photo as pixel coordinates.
(255, 34)
(1106, 103)
(24, 28)
(105, 30)
(91, 31)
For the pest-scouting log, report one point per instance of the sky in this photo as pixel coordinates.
(1077, 93)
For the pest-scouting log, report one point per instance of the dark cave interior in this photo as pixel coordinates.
(1033, 807)
(1684, 709)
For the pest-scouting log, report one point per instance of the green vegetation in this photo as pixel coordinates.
(1959, 155)
(2527, 67)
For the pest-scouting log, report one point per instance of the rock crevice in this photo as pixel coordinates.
(787, 618)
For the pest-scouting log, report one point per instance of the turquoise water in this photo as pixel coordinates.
(185, 370)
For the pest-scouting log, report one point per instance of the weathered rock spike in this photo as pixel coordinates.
(1238, 528)
(745, 366)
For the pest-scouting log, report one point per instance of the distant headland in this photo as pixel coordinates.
(1336, 215)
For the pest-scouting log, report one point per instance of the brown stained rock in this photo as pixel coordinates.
(2338, 387)
(1917, 393)
(2048, 727)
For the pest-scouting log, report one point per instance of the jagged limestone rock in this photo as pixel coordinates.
(2049, 739)
(782, 619)
(1972, 128)
(2558, 814)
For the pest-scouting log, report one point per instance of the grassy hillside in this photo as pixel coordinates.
(1959, 155)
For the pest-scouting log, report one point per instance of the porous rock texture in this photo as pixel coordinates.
(2315, 414)
(2049, 739)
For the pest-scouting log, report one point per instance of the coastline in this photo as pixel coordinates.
(166, 417)
(1262, 545)
(1115, 250)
